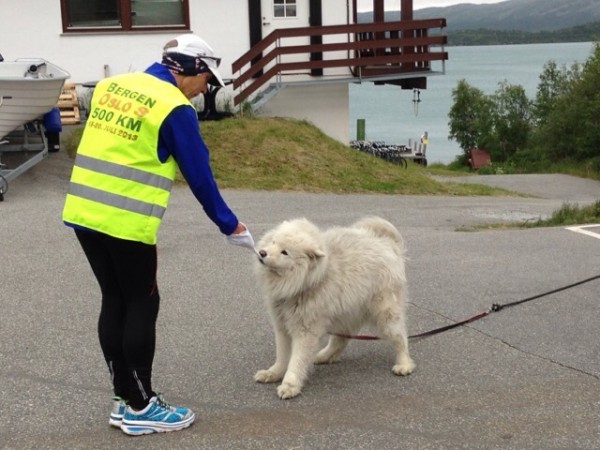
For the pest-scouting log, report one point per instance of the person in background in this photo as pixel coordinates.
(141, 128)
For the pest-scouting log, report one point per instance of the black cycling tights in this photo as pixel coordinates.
(126, 273)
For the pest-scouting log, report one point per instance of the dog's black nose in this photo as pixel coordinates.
(262, 253)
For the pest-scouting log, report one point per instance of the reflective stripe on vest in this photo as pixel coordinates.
(117, 170)
(116, 200)
(118, 185)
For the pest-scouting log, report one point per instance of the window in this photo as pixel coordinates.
(284, 8)
(124, 15)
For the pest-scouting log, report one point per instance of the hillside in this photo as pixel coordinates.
(522, 15)
(590, 32)
(276, 154)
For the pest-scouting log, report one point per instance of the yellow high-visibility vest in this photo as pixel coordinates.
(118, 185)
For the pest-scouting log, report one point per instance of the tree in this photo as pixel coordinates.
(511, 121)
(554, 83)
(587, 92)
(562, 123)
(573, 123)
(470, 117)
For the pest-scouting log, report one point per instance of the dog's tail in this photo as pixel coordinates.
(382, 228)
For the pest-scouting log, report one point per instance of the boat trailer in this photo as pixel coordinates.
(30, 122)
(22, 149)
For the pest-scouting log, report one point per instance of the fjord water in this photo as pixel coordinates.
(389, 111)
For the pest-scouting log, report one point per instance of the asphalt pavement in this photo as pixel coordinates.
(526, 377)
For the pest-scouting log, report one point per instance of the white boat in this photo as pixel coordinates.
(29, 88)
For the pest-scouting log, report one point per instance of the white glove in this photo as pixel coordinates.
(243, 239)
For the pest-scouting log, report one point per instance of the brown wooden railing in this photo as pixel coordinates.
(382, 48)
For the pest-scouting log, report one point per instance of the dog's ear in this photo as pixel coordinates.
(315, 253)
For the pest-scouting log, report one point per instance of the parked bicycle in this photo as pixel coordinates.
(389, 152)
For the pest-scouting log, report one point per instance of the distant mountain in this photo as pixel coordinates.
(522, 15)
(589, 32)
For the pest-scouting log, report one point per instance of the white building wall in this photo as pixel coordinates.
(324, 105)
(33, 28)
(337, 13)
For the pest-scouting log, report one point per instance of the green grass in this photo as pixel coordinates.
(257, 153)
(568, 214)
(289, 155)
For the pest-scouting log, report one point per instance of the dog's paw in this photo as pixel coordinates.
(406, 368)
(266, 376)
(326, 358)
(287, 390)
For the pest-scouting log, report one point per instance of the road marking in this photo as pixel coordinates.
(583, 229)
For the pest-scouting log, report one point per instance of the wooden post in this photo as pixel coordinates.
(379, 16)
(406, 10)
(406, 13)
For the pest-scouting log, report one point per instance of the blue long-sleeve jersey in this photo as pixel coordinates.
(180, 138)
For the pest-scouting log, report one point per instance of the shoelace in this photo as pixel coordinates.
(161, 402)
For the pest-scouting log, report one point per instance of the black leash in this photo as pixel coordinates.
(495, 308)
(499, 307)
(473, 318)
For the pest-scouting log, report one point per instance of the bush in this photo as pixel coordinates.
(593, 167)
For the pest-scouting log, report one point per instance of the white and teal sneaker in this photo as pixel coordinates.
(157, 417)
(117, 412)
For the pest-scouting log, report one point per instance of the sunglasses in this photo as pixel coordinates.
(216, 62)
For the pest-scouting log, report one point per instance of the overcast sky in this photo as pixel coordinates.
(420, 4)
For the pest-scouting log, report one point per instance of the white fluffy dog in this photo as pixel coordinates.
(330, 282)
